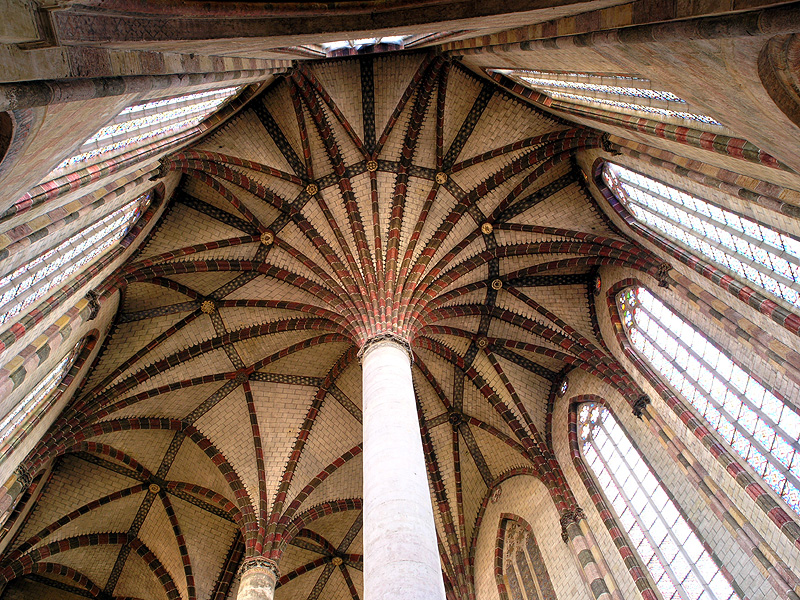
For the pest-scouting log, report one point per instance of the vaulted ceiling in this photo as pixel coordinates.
(397, 193)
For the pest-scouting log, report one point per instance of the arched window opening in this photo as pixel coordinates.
(759, 425)
(676, 558)
(609, 92)
(26, 413)
(748, 249)
(31, 281)
(525, 575)
(147, 122)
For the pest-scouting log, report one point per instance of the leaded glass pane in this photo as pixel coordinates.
(610, 92)
(764, 257)
(31, 281)
(34, 399)
(664, 540)
(148, 121)
(762, 428)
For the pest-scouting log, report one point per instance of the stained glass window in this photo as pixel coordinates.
(148, 121)
(610, 92)
(754, 252)
(761, 427)
(31, 281)
(679, 564)
(37, 400)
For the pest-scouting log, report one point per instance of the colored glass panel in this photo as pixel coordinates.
(36, 398)
(149, 121)
(676, 558)
(31, 281)
(610, 92)
(760, 427)
(752, 251)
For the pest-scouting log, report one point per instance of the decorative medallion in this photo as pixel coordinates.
(267, 238)
(497, 284)
(487, 228)
(372, 166)
(498, 491)
(311, 189)
(597, 285)
(441, 177)
(207, 306)
(482, 343)
(455, 418)
(154, 488)
(336, 561)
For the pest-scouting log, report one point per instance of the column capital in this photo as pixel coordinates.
(24, 476)
(570, 517)
(259, 563)
(385, 337)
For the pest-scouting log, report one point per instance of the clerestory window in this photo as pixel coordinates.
(747, 249)
(610, 92)
(146, 122)
(31, 281)
(26, 413)
(676, 558)
(758, 424)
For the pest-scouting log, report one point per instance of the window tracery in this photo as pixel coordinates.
(677, 560)
(752, 251)
(31, 281)
(524, 569)
(759, 425)
(612, 92)
(36, 401)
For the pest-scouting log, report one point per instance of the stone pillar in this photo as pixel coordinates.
(401, 556)
(257, 579)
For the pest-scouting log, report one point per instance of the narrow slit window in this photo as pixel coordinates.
(750, 250)
(35, 402)
(31, 281)
(760, 426)
(676, 558)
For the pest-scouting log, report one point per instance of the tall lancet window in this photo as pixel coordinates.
(147, 122)
(31, 281)
(751, 251)
(665, 541)
(613, 93)
(758, 424)
(25, 414)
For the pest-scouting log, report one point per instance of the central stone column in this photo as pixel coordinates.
(401, 557)
(257, 579)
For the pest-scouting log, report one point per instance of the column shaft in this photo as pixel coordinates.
(257, 579)
(401, 556)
